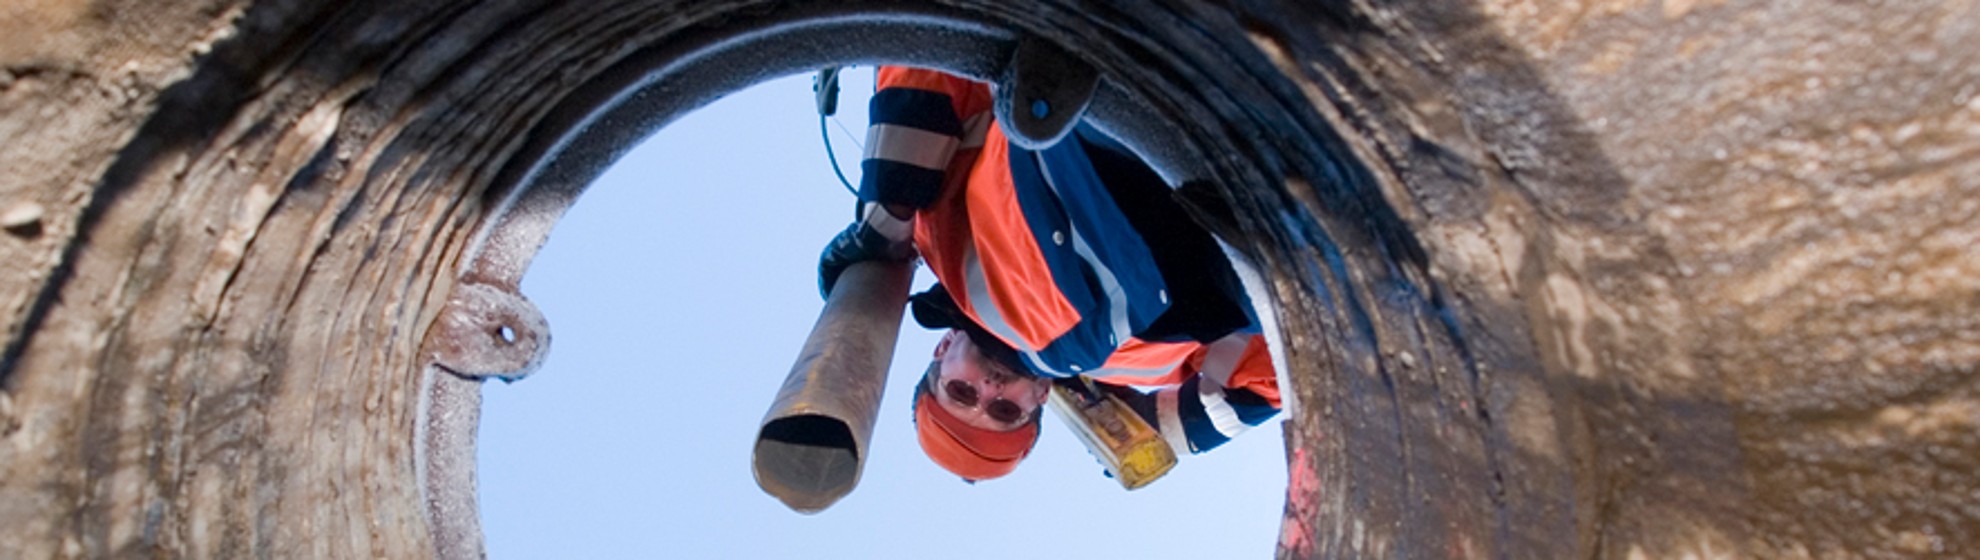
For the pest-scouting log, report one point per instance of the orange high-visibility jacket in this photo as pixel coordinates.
(1033, 249)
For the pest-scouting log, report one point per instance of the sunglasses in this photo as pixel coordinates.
(999, 409)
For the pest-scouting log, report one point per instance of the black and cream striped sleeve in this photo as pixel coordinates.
(914, 133)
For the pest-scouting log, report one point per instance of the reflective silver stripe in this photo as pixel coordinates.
(1220, 412)
(1134, 372)
(1222, 358)
(909, 145)
(1116, 295)
(975, 129)
(1169, 420)
(978, 288)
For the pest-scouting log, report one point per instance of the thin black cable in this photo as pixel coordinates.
(826, 133)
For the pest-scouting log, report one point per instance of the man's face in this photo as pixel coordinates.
(981, 392)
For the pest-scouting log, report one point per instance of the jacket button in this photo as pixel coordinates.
(1058, 238)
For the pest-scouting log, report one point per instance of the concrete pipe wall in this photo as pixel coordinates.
(1609, 278)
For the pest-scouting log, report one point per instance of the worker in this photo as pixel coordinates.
(1070, 260)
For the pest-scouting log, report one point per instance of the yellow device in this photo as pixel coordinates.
(1133, 451)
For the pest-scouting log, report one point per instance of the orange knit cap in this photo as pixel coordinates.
(971, 452)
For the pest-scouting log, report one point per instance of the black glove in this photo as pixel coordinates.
(860, 242)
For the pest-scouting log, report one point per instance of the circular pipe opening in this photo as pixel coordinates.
(1198, 112)
(810, 453)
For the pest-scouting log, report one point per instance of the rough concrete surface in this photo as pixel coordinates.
(1597, 278)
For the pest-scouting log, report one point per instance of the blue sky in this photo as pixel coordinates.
(679, 290)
